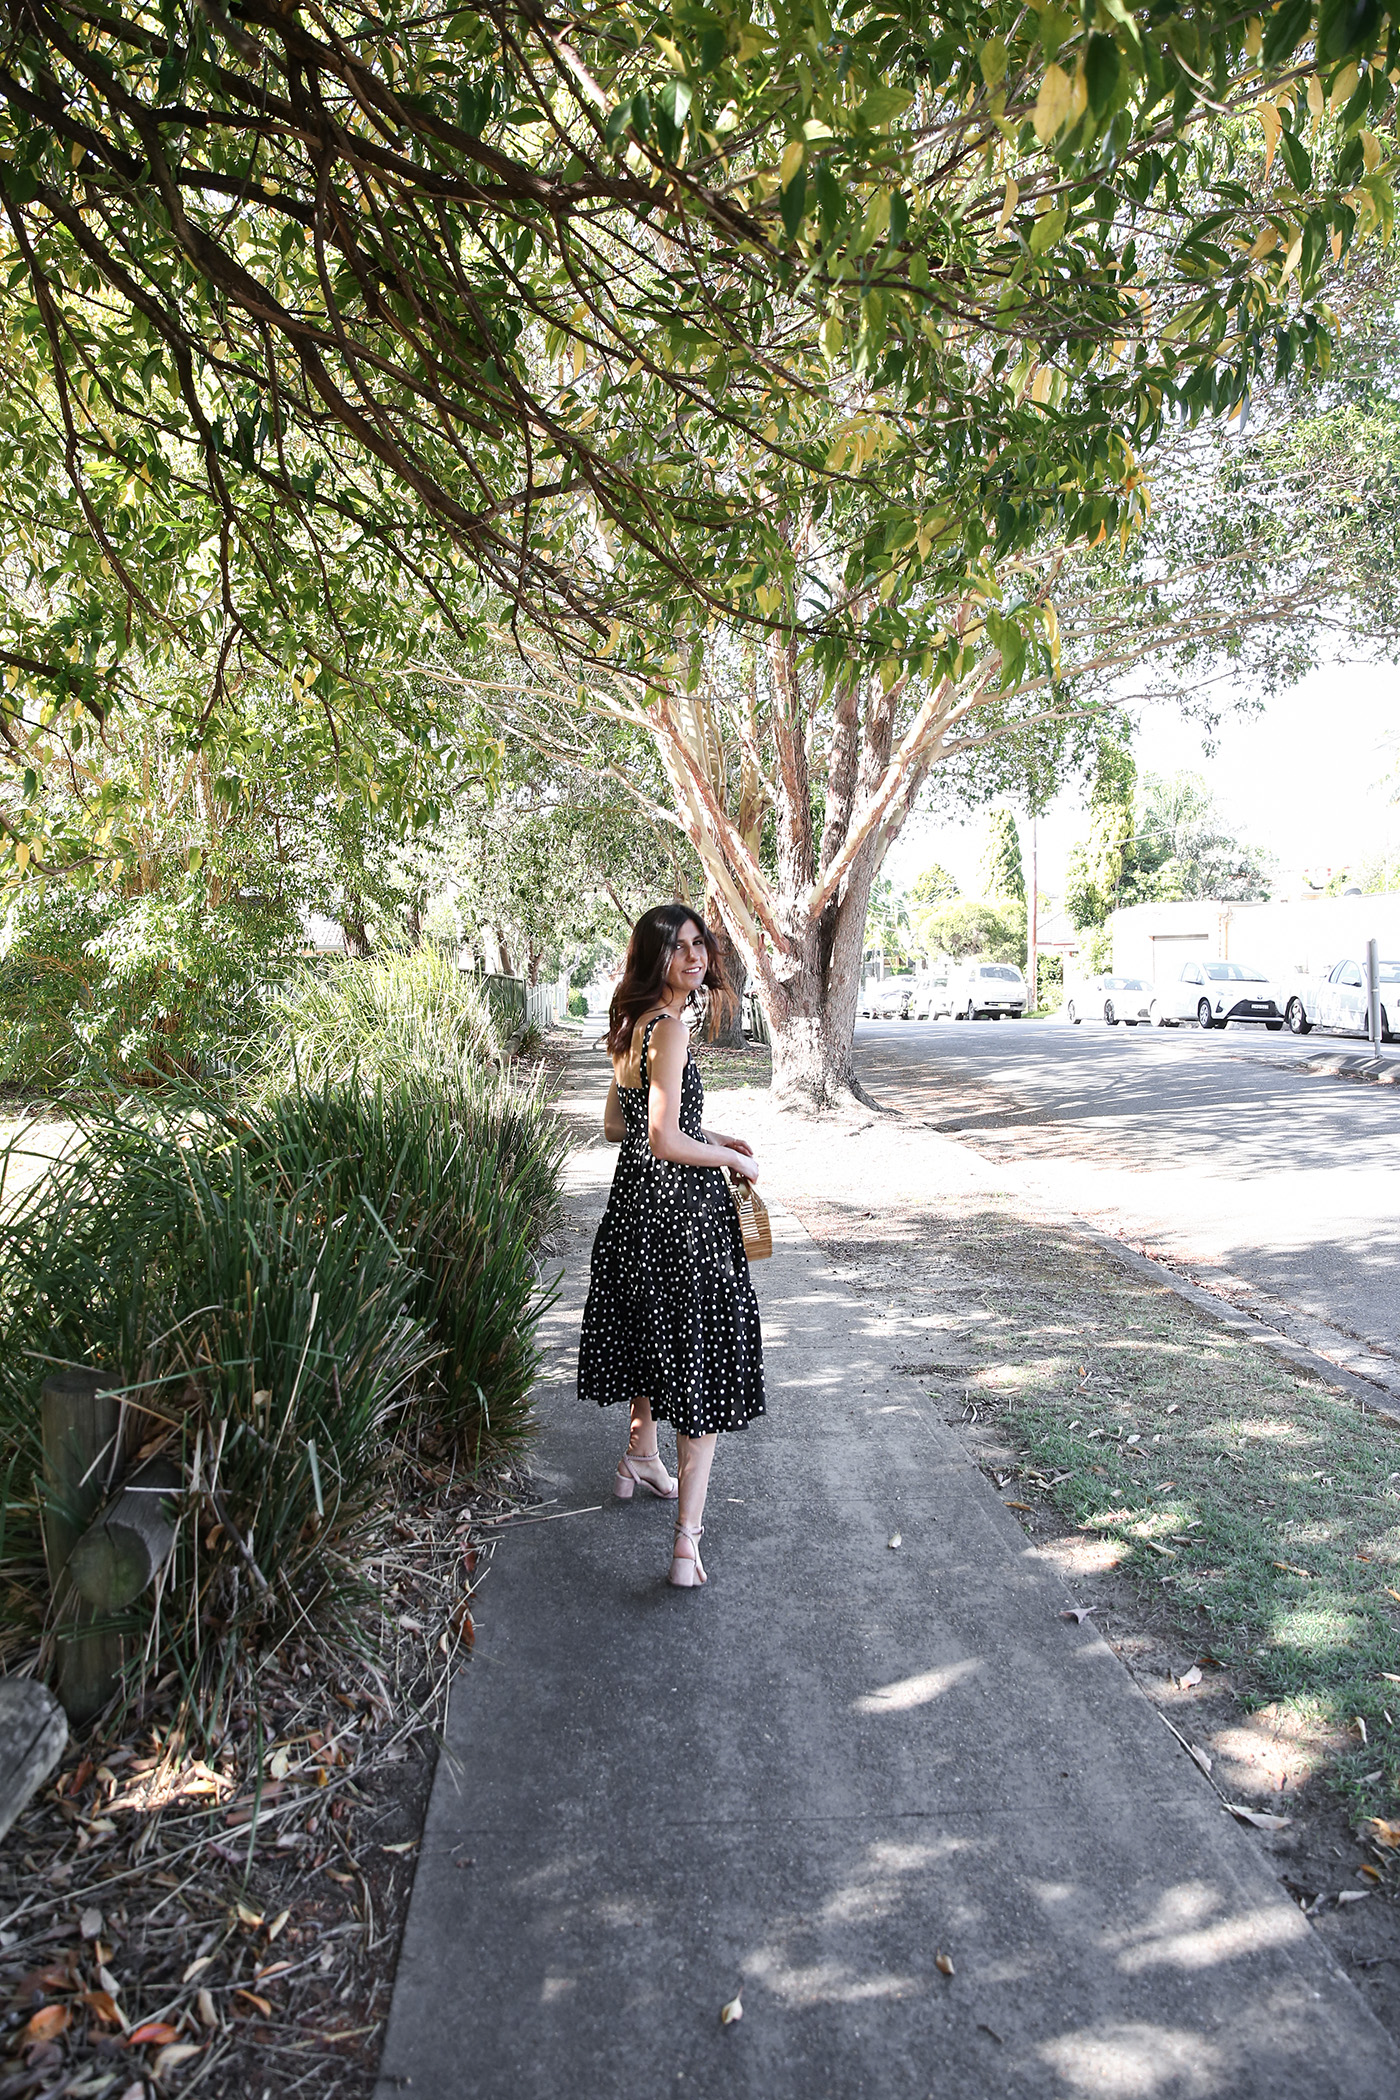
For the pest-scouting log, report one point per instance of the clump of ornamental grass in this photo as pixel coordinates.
(289, 1295)
(404, 1014)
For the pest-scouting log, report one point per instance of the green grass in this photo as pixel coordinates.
(1263, 1507)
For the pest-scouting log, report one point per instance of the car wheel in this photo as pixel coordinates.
(1109, 1015)
(1296, 1015)
(1386, 1036)
(1071, 1016)
(1204, 1014)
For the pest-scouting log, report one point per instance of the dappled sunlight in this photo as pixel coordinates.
(1136, 2060)
(1186, 1932)
(1078, 1555)
(871, 1893)
(908, 1693)
(1309, 1627)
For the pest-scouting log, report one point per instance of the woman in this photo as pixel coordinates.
(671, 1323)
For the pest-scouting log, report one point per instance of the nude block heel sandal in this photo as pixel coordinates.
(687, 1572)
(629, 1477)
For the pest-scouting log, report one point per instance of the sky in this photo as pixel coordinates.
(1313, 778)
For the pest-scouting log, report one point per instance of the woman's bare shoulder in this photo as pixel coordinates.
(627, 1069)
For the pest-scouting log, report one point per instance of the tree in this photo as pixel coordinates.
(1096, 870)
(887, 923)
(964, 928)
(319, 293)
(1003, 881)
(1158, 843)
(933, 886)
(839, 344)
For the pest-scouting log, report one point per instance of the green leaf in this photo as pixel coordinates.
(1297, 160)
(882, 105)
(1047, 231)
(1102, 66)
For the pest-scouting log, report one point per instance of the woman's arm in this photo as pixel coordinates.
(614, 1123)
(666, 1065)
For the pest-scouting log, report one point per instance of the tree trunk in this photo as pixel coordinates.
(724, 1023)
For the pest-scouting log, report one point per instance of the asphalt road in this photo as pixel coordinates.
(1215, 1152)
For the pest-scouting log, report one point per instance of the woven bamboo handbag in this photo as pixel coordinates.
(754, 1222)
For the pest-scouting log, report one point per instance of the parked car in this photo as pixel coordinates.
(988, 988)
(1339, 1000)
(932, 998)
(887, 998)
(1214, 993)
(1125, 999)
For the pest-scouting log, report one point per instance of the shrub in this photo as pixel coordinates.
(414, 1013)
(341, 1270)
(578, 1006)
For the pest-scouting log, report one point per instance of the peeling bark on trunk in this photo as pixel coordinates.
(724, 1026)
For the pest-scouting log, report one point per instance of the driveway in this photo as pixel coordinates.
(1217, 1153)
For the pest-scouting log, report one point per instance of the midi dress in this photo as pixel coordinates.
(671, 1315)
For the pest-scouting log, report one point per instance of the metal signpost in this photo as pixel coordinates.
(1373, 995)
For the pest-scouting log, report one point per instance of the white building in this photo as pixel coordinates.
(1304, 937)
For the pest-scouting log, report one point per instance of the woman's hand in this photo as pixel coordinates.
(742, 1163)
(733, 1144)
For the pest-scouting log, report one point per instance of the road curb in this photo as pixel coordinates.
(1373, 1071)
(1245, 1324)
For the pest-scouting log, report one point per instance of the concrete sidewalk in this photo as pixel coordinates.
(812, 1778)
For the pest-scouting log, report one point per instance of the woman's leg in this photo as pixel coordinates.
(642, 1442)
(695, 1456)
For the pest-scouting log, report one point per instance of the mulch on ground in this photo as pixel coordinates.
(178, 1917)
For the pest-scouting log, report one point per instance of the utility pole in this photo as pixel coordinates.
(1373, 995)
(1035, 916)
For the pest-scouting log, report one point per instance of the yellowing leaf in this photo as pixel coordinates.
(1370, 150)
(1254, 36)
(1265, 245)
(1316, 99)
(992, 60)
(944, 1964)
(1344, 86)
(728, 2014)
(1272, 124)
(1052, 104)
(794, 153)
(1008, 206)
(1383, 1833)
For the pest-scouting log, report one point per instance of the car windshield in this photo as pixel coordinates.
(1390, 973)
(1124, 984)
(1233, 973)
(1001, 971)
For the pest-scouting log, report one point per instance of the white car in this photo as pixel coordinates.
(1339, 1000)
(932, 999)
(888, 998)
(1125, 999)
(1214, 993)
(988, 988)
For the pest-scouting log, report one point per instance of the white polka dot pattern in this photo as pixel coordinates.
(671, 1314)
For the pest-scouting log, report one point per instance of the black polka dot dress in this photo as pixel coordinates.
(671, 1314)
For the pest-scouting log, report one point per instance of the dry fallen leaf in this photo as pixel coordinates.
(90, 1924)
(944, 1964)
(1193, 1676)
(279, 1765)
(1353, 1895)
(175, 2053)
(1261, 1818)
(103, 2007)
(276, 1926)
(153, 2031)
(251, 1918)
(895, 1541)
(1384, 1833)
(201, 1961)
(264, 2005)
(1017, 1505)
(1202, 1759)
(728, 2014)
(47, 2024)
(408, 1845)
(1080, 1612)
(204, 2006)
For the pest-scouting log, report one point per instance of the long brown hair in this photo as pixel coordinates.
(643, 982)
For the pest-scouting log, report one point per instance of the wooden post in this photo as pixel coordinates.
(33, 1733)
(130, 1541)
(80, 1428)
